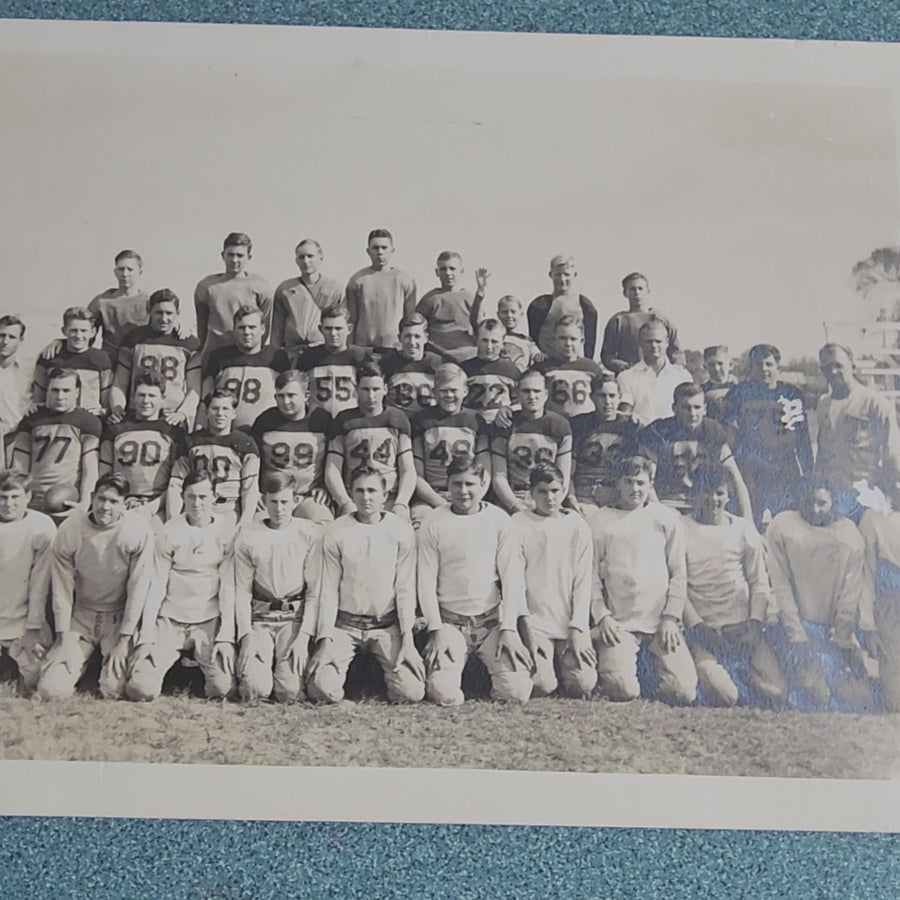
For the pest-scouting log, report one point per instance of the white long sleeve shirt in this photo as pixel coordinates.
(25, 553)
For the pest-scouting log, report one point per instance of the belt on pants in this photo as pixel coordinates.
(365, 623)
(491, 617)
(290, 603)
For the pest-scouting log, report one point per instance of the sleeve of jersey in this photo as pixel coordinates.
(141, 573)
(782, 586)
(226, 596)
(599, 608)
(331, 580)
(511, 567)
(850, 599)
(244, 571)
(159, 583)
(753, 562)
(62, 574)
(677, 562)
(583, 562)
(312, 576)
(427, 575)
(405, 577)
(193, 381)
(39, 578)
(870, 572)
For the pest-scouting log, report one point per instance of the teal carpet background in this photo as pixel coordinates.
(124, 859)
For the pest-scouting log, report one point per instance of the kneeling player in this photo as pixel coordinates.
(556, 548)
(367, 601)
(639, 590)
(728, 599)
(816, 564)
(101, 575)
(471, 591)
(25, 539)
(191, 606)
(278, 564)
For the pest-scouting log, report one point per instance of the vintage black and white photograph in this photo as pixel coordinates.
(444, 401)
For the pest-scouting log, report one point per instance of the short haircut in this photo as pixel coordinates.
(113, 481)
(129, 254)
(62, 372)
(245, 310)
(223, 394)
(164, 295)
(510, 298)
(276, 482)
(369, 369)
(447, 255)
(149, 379)
(831, 348)
(630, 466)
(490, 325)
(416, 320)
(315, 244)
(716, 349)
(12, 479)
(7, 321)
(449, 373)
(602, 378)
(335, 311)
(633, 276)
(379, 233)
(78, 313)
(688, 389)
(566, 321)
(196, 476)
(708, 478)
(815, 481)
(545, 473)
(533, 373)
(238, 239)
(562, 261)
(759, 352)
(651, 325)
(285, 378)
(366, 471)
(464, 464)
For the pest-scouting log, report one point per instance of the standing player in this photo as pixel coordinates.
(157, 349)
(332, 366)
(718, 364)
(556, 550)
(546, 310)
(367, 601)
(639, 591)
(15, 380)
(143, 448)
(379, 296)
(58, 445)
(371, 436)
(409, 371)
(278, 564)
(191, 605)
(439, 435)
(492, 380)
(101, 574)
(121, 309)
(772, 445)
(536, 437)
(231, 458)
(299, 301)
(815, 562)
(451, 312)
(292, 441)
(95, 368)
(679, 444)
(218, 297)
(568, 374)
(648, 387)
(599, 441)
(472, 592)
(246, 368)
(858, 442)
(728, 599)
(25, 540)
(621, 338)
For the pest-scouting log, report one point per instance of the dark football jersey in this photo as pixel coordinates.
(295, 446)
(143, 452)
(250, 376)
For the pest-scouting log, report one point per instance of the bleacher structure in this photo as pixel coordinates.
(876, 349)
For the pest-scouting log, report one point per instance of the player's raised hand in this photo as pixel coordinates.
(669, 634)
(118, 659)
(298, 654)
(409, 657)
(579, 645)
(439, 646)
(511, 644)
(223, 655)
(482, 276)
(609, 632)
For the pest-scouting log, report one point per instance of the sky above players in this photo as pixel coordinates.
(746, 203)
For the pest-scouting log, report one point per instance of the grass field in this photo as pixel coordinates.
(546, 735)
